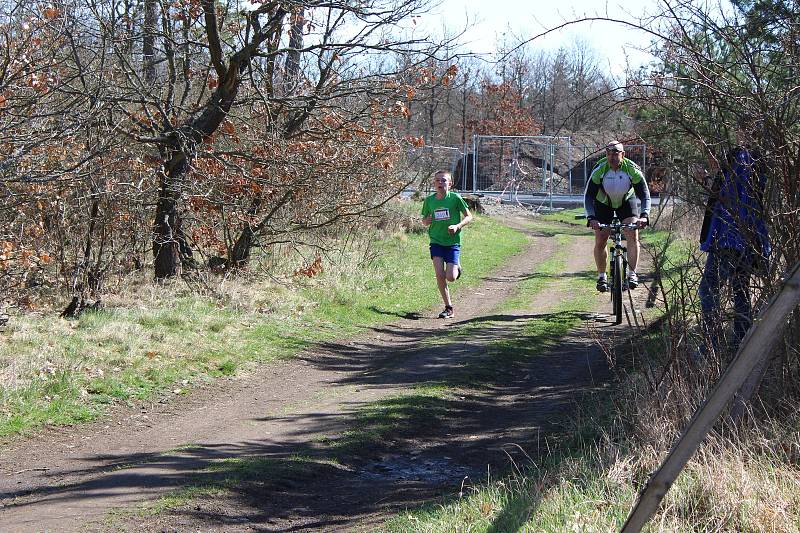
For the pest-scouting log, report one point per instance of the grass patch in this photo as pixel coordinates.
(522, 504)
(591, 485)
(567, 216)
(164, 340)
(249, 477)
(531, 338)
(402, 278)
(550, 272)
(584, 483)
(675, 258)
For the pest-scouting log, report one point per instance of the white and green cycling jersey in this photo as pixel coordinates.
(614, 187)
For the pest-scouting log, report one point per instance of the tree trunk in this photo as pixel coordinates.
(165, 247)
(166, 228)
(82, 269)
(149, 41)
(292, 65)
(240, 253)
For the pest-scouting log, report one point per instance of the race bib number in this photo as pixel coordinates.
(441, 214)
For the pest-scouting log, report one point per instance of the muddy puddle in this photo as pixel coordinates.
(416, 468)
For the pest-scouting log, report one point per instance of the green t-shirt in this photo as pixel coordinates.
(446, 212)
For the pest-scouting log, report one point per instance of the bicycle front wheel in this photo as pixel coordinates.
(616, 289)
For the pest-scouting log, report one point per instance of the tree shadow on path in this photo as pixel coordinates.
(392, 446)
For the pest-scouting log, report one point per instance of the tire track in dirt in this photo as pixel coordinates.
(286, 409)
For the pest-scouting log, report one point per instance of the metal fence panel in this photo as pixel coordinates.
(536, 164)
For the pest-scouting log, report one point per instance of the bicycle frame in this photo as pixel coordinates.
(618, 259)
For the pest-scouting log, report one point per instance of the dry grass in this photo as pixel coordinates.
(726, 488)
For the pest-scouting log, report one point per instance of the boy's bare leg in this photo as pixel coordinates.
(441, 280)
(452, 272)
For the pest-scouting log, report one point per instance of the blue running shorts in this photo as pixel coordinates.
(450, 254)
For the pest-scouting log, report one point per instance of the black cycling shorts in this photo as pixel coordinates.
(604, 213)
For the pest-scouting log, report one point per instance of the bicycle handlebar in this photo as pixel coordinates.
(618, 226)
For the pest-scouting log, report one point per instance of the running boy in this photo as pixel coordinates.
(441, 212)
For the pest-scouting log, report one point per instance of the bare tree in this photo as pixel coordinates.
(110, 107)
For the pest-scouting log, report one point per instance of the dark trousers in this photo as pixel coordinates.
(725, 266)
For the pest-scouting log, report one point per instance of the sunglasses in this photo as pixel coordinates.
(615, 151)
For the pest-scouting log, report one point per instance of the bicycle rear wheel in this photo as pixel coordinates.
(617, 280)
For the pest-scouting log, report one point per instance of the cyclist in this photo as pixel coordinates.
(612, 189)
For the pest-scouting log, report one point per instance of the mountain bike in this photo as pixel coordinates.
(618, 259)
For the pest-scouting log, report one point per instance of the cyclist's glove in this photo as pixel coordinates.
(589, 221)
(644, 219)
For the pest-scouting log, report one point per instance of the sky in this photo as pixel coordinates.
(490, 20)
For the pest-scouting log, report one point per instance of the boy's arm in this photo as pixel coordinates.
(427, 216)
(466, 219)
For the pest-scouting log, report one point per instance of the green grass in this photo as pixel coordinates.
(592, 485)
(248, 477)
(567, 216)
(537, 500)
(547, 273)
(674, 256)
(403, 280)
(61, 372)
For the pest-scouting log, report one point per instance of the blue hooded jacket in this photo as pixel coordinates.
(737, 218)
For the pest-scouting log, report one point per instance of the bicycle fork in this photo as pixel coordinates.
(621, 250)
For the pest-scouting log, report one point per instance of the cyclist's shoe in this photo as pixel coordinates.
(447, 313)
(602, 284)
(633, 280)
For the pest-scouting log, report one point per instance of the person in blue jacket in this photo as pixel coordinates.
(735, 237)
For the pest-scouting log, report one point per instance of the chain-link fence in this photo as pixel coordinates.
(532, 164)
(421, 163)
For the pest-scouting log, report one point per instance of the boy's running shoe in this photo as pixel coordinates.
(447, 313)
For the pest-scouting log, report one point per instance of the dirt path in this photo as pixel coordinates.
(292, 419)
